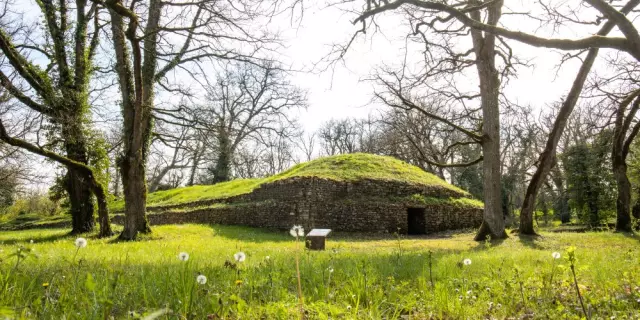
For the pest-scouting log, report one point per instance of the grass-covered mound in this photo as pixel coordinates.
(357, 277)
(361, 166)
(346, 167)
(196, 193)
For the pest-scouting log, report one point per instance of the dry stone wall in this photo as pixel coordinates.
(364, 206)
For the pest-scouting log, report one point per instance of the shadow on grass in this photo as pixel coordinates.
(531, 241)
(250, 234)
(39, 239)
(258, 235)
(632, 235)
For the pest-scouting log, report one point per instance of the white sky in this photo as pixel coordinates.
(340, 92)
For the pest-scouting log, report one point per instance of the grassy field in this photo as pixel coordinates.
(357, 277)
(347, 167)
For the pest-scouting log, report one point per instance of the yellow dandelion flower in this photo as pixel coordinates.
(238, 282)
(45, 285)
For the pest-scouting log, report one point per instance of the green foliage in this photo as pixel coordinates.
(98, 156)
(590, 181)
(355, 278)
(31, 205)
(348, 167)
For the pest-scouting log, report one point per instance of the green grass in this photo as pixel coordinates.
(196, 193)
(457, 202)
(375, 277)
(347, 167)
(360, 166)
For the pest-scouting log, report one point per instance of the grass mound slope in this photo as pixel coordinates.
(346, 167)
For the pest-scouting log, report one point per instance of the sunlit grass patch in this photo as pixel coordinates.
(358, 276)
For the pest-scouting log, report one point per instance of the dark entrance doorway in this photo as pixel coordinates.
(416, 221)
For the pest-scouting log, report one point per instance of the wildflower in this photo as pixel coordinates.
(81, 242)
(45, 285)
(460, 298)
(31, 241)
(499, 306)
(488, 289)
(297, 231)
(330, 270)
(469, 292)
(556, 255)
(238, 282)
(201, 279)
(267, 258)
(348, 308)
(183, 256)
(240, 256)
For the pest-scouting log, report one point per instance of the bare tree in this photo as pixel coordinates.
(175, 142)
(338, 137)
(247, 102)
(306, 143)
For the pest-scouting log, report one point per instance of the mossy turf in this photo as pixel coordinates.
(374, 277)
(347, 167)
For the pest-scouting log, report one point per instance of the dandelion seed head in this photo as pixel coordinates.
(31, 241)
(466, 261)
(81, 242)
(556, 255)
(330, 270)
(183, 256)
(201, 279)
(297, 231)
(240, 256)
(348, 308)
(267, 258)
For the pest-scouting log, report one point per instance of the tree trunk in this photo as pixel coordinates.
(116, 188)
(547, 157)
(623, 202)
(619, 153)
(135, 199)
(155, 182)
(222, 170)
(194, 167)
(636, 207)
(80, 197)
(103, 209)
(484, 46)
